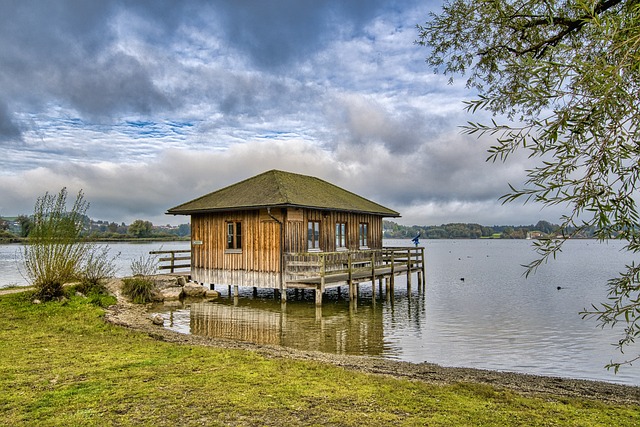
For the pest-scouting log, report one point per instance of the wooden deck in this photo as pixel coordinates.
(322, 270)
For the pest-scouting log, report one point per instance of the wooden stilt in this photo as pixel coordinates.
(236, 290)
(318, 296)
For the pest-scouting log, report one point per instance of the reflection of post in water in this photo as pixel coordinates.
(331, 328)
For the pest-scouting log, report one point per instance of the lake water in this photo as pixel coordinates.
(11, 267)
(494, 319)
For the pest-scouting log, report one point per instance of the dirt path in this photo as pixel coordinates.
(136, 317)
(15, 290)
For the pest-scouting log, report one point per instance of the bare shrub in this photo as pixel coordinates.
(54, 251)
(96, 268)
(144, 265)
(139, 288)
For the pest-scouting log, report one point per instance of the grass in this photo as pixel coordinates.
(62, 365)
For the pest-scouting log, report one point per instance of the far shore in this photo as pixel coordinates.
(110, 240)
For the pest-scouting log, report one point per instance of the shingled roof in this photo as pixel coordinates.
(282, 189)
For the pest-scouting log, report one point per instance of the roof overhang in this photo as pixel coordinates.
(277, 206)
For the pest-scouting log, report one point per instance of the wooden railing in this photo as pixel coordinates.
(346, 264)
(349, 265)
(173, 259)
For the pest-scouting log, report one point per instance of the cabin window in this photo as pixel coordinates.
(234, 235)
(341, 235)
(313, 235)
(363, 235)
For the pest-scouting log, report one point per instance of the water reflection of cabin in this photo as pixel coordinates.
(337, 331)
(283, 230)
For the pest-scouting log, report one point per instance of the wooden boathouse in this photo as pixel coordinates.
(282, 230)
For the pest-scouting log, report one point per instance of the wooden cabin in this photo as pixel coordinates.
(275, 229)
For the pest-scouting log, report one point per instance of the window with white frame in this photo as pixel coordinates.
(341, 235)
(363, 235)
(234, 235)
(313, 235)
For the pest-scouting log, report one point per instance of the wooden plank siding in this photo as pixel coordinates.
(213, 263)
(258, 262)
(328, 221)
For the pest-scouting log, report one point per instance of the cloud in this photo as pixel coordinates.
(147, 104)
(277, 33)
(9, 129)
(130, 191)
(125, 192)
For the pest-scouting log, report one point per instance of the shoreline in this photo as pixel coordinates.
(136, 317)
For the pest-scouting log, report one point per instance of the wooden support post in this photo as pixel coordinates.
(229, 290)
(320, 288)
(236, 290)
(393, 269)
(255, 291)
(409, 269)
(373, 267)
(349, 272)
(424, 269)
(283, 295)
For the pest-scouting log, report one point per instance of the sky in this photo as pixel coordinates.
(144, 105)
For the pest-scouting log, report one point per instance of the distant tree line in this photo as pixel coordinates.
(15, 229)
(542, 229)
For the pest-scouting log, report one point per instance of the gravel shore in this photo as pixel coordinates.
(136, 317)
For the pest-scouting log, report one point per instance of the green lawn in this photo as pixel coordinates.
(62, 365)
